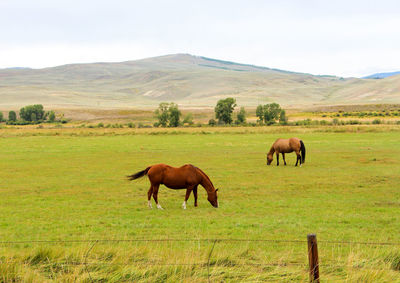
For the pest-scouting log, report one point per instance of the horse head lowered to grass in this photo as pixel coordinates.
(186, 177)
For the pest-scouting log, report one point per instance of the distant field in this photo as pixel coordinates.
(69, 184)
(363, 113)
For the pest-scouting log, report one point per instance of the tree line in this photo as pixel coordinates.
(169, 115)
(31, 114)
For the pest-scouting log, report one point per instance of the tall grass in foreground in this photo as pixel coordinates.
(194, 261)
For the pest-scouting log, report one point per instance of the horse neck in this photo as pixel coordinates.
(206, 182)
(271, 151)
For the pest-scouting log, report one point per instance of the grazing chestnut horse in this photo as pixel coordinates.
(286, 146)
(186, 177)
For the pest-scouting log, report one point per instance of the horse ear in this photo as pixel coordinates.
(216, 190)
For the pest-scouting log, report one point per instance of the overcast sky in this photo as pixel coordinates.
(343, 38)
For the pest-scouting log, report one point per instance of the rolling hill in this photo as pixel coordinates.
(381, 75)
(190, 81)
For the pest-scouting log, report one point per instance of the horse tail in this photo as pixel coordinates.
(138, 174)
(303, 152)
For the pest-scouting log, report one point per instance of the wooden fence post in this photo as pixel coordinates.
(313, 258)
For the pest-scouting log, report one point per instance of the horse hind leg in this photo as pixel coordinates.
(155, 196)
(149, 193)
(298, 158)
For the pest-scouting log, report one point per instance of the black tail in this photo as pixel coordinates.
(303, 152)
(138, 174)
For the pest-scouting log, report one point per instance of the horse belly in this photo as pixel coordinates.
(175, 184)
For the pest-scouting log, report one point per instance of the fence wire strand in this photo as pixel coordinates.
(199, 240)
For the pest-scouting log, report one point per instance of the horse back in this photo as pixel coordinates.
(287, 145)
(172, 177)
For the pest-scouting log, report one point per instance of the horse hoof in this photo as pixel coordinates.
(159, 207)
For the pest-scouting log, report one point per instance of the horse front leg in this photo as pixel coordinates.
(195, 195)
(188, 191)
(277, 158)
(283, 156)
(155, 196)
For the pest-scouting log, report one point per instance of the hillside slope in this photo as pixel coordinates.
(188, 80)
(381, 75)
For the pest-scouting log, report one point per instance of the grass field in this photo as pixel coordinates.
(69, 185)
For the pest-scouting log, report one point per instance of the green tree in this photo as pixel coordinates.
(26, 112)
(224, 109)
(1, 117)
(271, 112)
(12, 116)
(282, 117)
(168, 114)
(174, 115)
(33, 117)
(260, 113)
(162, 114)
(241, 116)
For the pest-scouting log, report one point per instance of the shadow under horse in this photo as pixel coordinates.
(287, 146)
(186, 177)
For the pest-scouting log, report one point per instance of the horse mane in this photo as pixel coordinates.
(205, 175)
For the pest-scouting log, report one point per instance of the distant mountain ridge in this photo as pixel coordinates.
(381, 75)
(190, 81)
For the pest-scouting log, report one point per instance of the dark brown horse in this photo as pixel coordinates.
(286, 146)
(186, 177)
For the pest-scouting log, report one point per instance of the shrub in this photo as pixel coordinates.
(188, 119)
(377, 121)
(52, 116)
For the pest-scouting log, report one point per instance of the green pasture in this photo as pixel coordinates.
(73, 187)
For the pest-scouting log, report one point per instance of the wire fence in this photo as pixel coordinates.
(208, 263)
